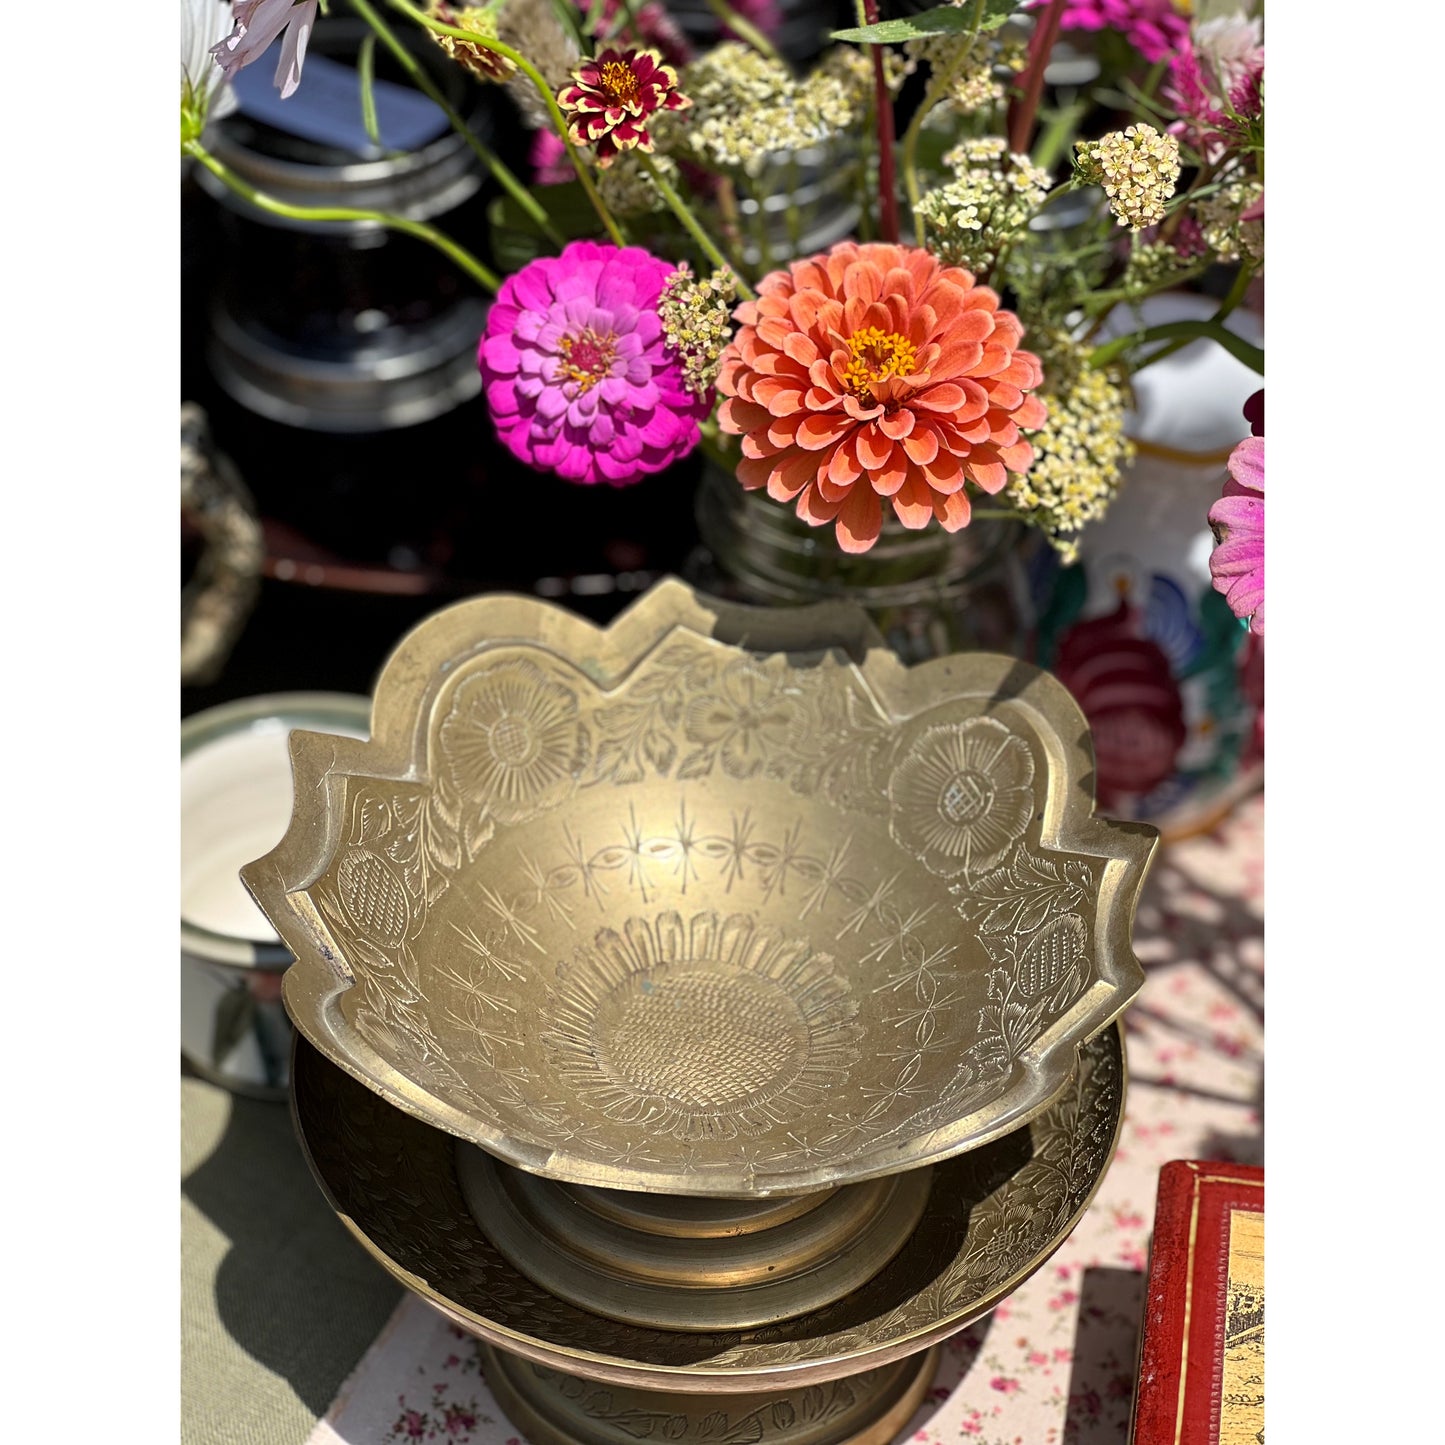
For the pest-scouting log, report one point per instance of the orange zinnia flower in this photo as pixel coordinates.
(876, 371)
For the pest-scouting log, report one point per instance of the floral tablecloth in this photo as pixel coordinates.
(1055, 1362)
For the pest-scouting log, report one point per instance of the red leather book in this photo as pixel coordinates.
(1201, 1352)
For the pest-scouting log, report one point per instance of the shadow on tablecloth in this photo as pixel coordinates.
(1106, 1347)
(294, 1290)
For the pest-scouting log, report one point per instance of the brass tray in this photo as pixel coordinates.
(719, 901)
(994, 1216)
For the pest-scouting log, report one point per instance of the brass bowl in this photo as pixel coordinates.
(993, 1217)
(718, 901)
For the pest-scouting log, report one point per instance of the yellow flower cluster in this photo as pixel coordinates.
(747, 109)
(993, 197)
(697, 322)
(1079, 453)
(980, 77)
(1153, 265)
(1138, 169)
(1229, 237)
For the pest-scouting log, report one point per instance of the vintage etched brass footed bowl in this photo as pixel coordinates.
(718, 901)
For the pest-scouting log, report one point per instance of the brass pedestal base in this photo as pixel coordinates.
(552, 1408)
(697, 1265)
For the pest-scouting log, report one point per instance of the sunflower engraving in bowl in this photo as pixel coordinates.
(703, 1028)
(649, 909)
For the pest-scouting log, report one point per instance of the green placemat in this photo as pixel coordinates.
(278, 1302)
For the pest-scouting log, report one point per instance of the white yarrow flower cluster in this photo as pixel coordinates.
(1138, 169)
(748, 109)
(993, 197)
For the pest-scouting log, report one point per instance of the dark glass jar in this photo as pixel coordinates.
(342, 354)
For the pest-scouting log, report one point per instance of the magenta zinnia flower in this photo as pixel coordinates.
(1237, 562)
(613, 96)
(578, 376)
(1155, 28)
(258, 23)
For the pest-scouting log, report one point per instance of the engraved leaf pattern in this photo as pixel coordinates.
(1020, 896)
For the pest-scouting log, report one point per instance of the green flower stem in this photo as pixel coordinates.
(690, 222)
(419, 229)
(504, 175)
(1108, 299)
(938, 85)
(543, 89)
(792, 217)
(744, 28)
(1236, 294)
(1182, 332)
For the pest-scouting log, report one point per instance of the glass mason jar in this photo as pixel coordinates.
(345, 326)
(929, 592)
(339, 352)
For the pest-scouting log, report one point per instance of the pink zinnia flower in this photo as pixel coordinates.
(1237, 562)
(258, 23)
(613, 96)
(1155, 28)
(875, 373)
(578, 375)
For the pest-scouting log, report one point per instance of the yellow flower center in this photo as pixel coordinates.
(619, 82)
(875, 356)
(587, 357)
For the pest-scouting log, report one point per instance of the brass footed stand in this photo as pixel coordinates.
(697, 1265)
(551, 1408)
(693, 1264)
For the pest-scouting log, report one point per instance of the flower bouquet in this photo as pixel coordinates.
(879, 291)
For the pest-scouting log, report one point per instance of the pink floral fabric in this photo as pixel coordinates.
(1054, 1364)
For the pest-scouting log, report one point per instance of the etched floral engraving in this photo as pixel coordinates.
(743, 722)
(512, 743)
(702, 1028)
(695, 706)
(963, 796)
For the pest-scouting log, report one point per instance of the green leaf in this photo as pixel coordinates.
(945, 20)
(366, 71)
(516, 237)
